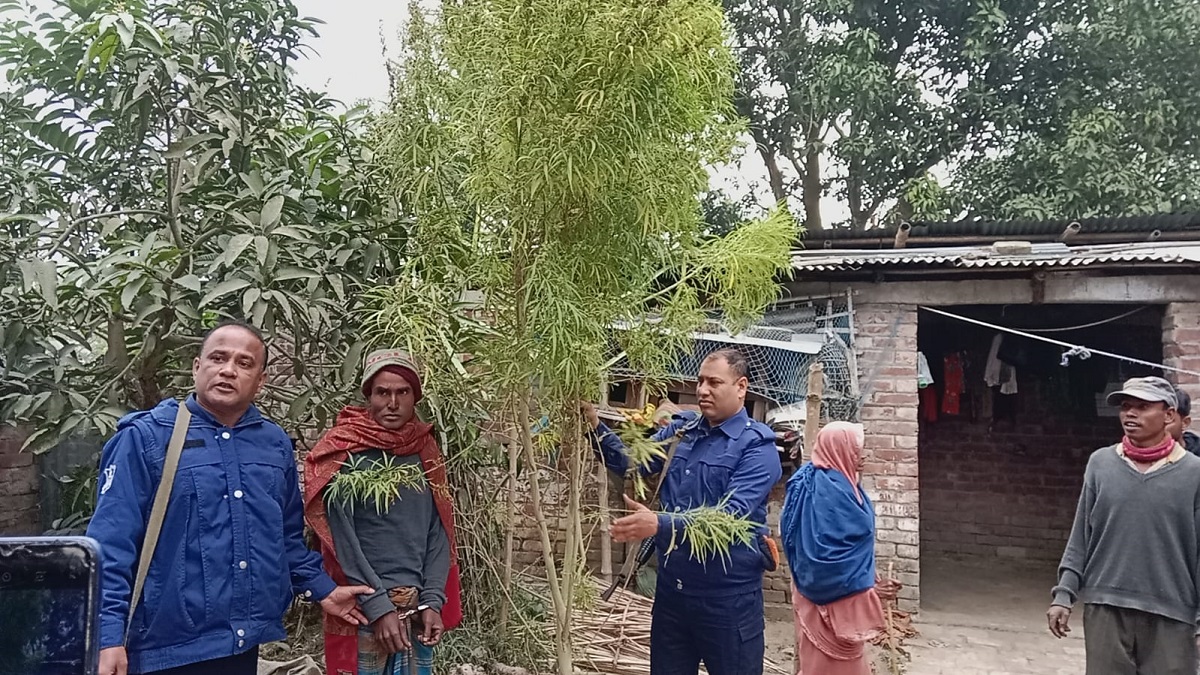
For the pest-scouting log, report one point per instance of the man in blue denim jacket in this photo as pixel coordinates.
(231, 555)
(706, 610)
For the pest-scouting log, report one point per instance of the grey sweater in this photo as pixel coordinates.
(1135, 543)
(404, 546)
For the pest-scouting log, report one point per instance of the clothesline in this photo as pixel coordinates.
(1072, 350)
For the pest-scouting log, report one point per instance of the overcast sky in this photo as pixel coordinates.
(349, 62)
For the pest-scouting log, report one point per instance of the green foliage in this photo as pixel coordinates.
(641, 452)
(160, 170)
(1117, 111)
(711, 532)
(79, 488)
(1041, 109)
(551, 153)
(377, 482)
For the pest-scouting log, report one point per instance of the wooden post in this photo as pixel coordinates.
(606, 567)
(812, 417)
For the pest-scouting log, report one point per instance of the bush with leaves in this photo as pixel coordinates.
(552, 153)
(162, 170)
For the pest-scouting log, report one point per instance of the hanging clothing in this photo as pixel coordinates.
(954, 384)
(998, 373)
(929, 404)
(924, 376)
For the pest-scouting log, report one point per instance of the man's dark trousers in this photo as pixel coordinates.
(1122, 641)
(724, 632)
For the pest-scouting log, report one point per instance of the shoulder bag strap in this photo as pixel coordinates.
(159, 510)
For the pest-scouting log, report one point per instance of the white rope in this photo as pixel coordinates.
(1074, 350)
(1101, 322)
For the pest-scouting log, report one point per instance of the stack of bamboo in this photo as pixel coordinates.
(614, 637)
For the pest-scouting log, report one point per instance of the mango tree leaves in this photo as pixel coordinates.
(161, 172)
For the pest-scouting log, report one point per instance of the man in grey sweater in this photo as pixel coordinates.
(1134, 550)
(378, 500)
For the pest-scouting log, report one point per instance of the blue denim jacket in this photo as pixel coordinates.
(231, 555)
(736, 460)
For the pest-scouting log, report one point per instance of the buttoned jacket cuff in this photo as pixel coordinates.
(318, 589)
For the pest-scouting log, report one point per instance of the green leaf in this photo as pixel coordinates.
(271, 212)
(222, 289)
(262, 247)
(28, 276)
(370, 257)
(250, 297)
(40, 441)
(353, 361)
(253, 180)
(190, 282)
(179, 148)
(133, 286)
(290, 273)
(237, 245)
(338, 287)
(259, 312)
(291, 233)
(47, 281)
(299, 405)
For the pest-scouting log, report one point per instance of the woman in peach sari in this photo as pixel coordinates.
(828, 529)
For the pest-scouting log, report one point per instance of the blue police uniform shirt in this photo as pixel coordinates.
(231, 555)
(737, 462)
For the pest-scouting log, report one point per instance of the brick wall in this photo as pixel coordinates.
(18, 486)
(887, 362)
(1001, 490)
(1181, 345)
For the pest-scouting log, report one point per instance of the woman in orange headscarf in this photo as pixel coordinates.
(828, 529)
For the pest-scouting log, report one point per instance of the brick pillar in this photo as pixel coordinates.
(1181, 345)
(886, 342)
(18, 486)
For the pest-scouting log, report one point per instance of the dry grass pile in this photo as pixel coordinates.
(613, 637)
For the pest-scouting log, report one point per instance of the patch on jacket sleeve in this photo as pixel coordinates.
(109, 472)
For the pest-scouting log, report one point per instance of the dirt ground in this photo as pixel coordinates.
(989, 618)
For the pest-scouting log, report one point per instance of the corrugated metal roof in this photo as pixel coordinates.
(966, 257)
(1164, 222)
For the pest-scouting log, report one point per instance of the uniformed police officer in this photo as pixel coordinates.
(705, 610)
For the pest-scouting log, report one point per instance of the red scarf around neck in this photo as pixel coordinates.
(1148, 454)
(354, 431)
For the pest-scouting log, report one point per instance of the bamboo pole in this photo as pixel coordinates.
(812, 417)
(893, 648)
(606, 562)
(510, 524)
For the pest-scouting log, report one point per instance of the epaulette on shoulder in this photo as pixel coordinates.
(764, 432)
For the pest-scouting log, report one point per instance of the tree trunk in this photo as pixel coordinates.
(812, 181)
(774, 176)
(514, 451)
(562, 622)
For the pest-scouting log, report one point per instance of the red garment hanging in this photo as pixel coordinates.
(952, 378)
(929, 404)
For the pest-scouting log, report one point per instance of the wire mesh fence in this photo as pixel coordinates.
(781, 348)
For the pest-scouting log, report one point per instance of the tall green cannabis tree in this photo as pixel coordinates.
(552, 153)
